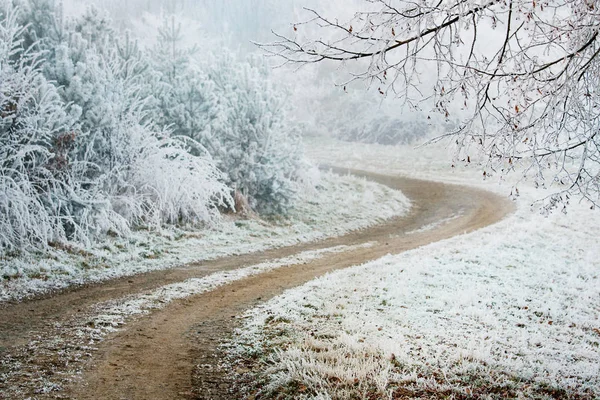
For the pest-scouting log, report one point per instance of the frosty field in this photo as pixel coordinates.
(299, 199)
(508, 311)
(338, 205)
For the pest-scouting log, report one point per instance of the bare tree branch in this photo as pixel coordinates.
(528, 74)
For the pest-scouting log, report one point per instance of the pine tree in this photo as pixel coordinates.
(186, 99)
(253, 139)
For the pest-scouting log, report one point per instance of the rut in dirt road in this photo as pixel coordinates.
(171, 353)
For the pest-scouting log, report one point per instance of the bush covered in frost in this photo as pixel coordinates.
(99, 135)
(32, 120)
(387, 130)
(81, 157)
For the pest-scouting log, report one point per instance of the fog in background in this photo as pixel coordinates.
(316, 92)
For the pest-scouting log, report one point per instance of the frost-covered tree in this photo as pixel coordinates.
(186, 98)
(233, 109)
(526, 74)
(253, 139)
(34, 132)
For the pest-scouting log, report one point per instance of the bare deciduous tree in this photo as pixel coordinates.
(526, 74)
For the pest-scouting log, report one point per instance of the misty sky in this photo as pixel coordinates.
(236, 24)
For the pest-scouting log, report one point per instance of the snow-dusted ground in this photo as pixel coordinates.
(337, 205)
(52, 360)
(512, 310)
(113, 314)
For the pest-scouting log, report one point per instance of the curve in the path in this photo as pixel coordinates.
(173, 353)
(20, 321)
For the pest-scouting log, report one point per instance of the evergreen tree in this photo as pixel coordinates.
(232, 108)
(186, 99)
(253, 140)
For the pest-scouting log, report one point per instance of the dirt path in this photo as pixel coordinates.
(157, 356)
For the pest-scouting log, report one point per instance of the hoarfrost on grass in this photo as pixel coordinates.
(511, 310)
(338, 205)
(55, 357)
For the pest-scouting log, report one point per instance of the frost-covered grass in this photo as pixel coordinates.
(432, 162)
(338, 205)
(512, 310)
(52, 360)
(113, 314)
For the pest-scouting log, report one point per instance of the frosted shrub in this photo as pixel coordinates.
(175, 187)
(387, 130)
(31, 118)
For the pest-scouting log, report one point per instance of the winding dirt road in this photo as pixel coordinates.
(173, 352)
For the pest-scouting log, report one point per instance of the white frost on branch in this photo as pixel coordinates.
(525, 74)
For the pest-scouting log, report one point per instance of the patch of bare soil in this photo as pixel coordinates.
(173, 352)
